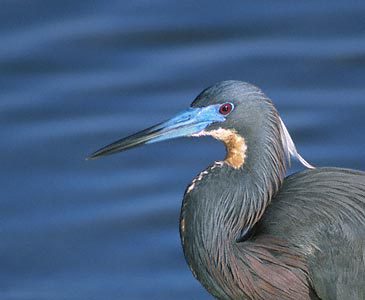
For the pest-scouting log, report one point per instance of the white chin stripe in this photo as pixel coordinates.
(289, 147)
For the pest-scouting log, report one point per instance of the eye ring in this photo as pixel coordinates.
(226, 108)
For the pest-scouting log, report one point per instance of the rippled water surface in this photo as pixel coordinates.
(75, 75)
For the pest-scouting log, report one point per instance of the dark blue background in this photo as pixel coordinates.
(75, 75)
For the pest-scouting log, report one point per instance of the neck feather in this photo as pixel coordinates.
(225, 202)
(235, 145)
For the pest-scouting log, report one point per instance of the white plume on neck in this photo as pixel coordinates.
(289, 147)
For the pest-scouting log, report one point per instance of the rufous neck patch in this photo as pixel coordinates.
(235, 145)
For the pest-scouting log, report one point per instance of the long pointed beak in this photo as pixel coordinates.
(187, 123)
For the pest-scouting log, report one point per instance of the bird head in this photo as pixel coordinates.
(235, 112)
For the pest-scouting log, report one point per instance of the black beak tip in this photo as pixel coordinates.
(101, 152)
(93, 156)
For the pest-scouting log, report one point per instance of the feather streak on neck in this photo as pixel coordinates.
(235, 145)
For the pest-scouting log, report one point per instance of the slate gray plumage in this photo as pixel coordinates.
(250, 233)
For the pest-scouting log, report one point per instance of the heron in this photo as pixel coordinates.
(247, 230)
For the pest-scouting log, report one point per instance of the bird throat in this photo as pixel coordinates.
(235, 145)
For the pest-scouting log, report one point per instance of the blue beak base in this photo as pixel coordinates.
(187, 123)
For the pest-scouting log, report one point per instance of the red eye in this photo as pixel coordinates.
(225, 108)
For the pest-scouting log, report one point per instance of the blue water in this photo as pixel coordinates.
(75, 75)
